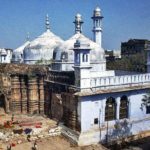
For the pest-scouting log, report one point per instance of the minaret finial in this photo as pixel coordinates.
(78, 23)
(47, 23)
(28, 36)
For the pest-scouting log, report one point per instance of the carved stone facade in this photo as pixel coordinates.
(22, 92)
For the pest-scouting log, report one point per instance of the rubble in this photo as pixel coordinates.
(17, 134)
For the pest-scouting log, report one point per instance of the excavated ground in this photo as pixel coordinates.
(44, 131)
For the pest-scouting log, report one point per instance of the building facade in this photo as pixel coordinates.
(98, 106)
(5, 55)
(134, 46)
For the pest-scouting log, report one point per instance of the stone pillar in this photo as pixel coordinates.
(15, 95)
(48, 99)
(117, 108)
(41, 95)
(7, 105)
(23, 95)
(33, 95)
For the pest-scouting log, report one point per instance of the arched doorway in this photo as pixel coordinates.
(110, 109)
(2, 104)
(123, 107)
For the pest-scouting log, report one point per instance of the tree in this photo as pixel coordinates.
(145, 100)
(121, 131)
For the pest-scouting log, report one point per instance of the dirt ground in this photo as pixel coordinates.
(46, 143)
(54, 143)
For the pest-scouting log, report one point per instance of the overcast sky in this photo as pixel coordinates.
(123, 19)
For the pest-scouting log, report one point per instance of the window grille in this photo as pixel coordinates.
(110, 109)
(123, 107)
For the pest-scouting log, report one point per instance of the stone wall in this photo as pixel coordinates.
(27, 94)
(23, 88)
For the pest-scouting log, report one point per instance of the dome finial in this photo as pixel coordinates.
(47, 23)
(97, 11)
(78, 23)
(28, 36)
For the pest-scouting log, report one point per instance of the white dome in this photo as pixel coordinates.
(97, 9)
(78, 17)
(17, 55)
(42, 47)
(67, 54)
(97, 12)
(21, 48)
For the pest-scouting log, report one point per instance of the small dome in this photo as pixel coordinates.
(78, 17)
(97, 11)
(3, 51)
(17, 55)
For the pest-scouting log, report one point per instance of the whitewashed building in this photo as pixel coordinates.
(100, 105)
(5, 55)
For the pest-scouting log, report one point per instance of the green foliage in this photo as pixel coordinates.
(145, 100)
(135, 62)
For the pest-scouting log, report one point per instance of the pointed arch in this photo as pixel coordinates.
(123, 107)
(110, 109)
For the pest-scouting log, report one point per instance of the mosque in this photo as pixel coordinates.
(92, 104)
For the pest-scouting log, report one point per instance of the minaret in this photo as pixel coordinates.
(47, 23)
(78, 23)
(97, 26)
(82, 64)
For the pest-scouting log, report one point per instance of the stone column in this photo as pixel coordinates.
(15, 95)
(33, 95)
(7, 105)
(23, 95)
(117, 108)
(41, 95)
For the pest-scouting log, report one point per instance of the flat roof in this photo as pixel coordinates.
(112, 90)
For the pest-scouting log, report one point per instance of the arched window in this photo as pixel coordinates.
(83, 58)
(123, 107)
(110, 109)
(77, 57)
(54, 55)
(86, 57)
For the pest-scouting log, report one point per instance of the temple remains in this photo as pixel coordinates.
(22, 88)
